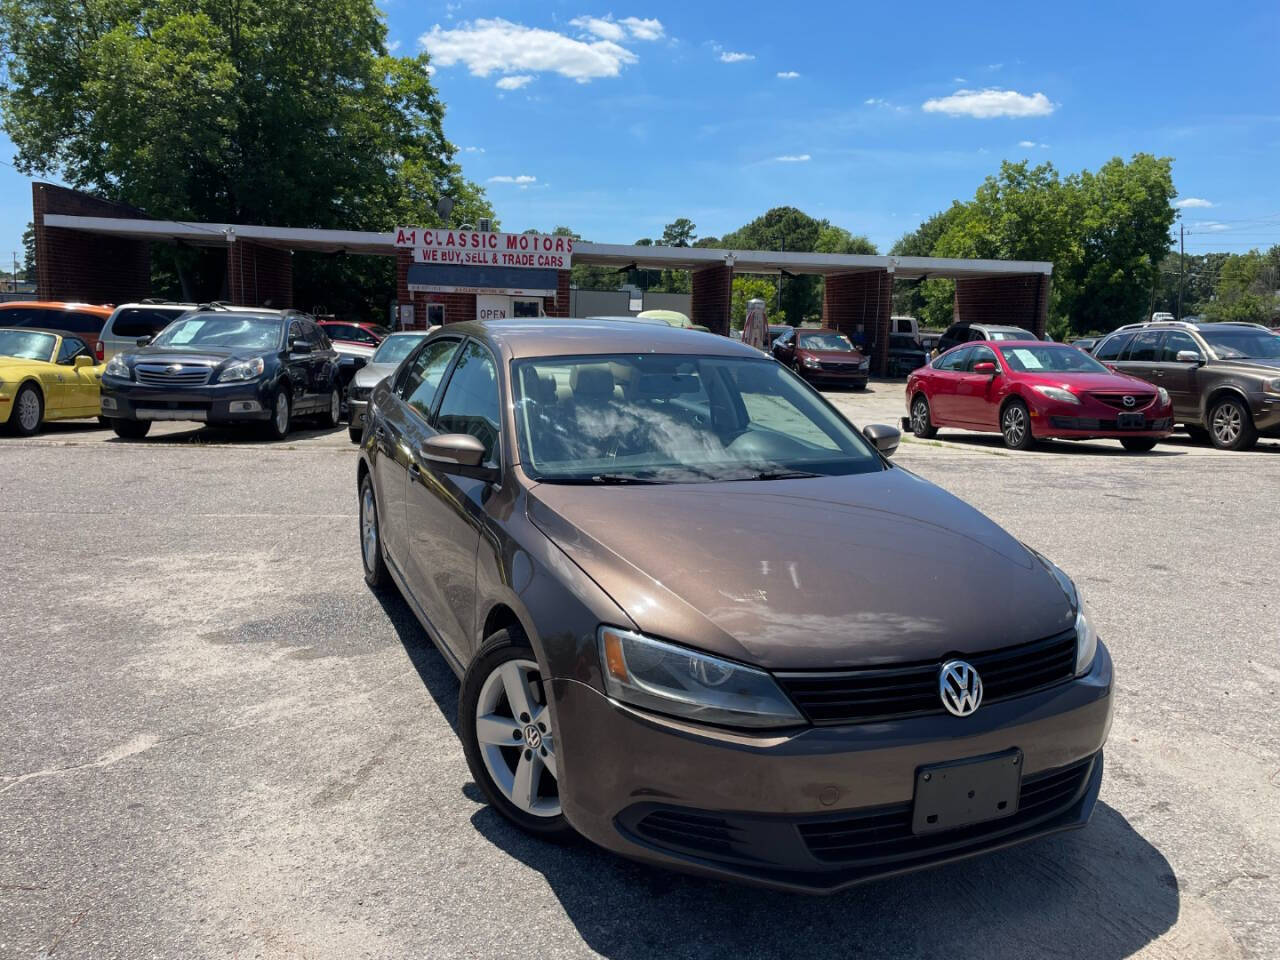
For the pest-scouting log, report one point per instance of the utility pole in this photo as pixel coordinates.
(1182, 264)
(782, 247)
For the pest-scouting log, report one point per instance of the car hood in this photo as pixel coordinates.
(848, 356)
(371, 374)
(14, 364)
(1089, 382)
(1259, 365)
(211, 355)
(807, 574)
(346, 348)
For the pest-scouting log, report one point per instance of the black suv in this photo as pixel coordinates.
(225, 365)
(1223, 378)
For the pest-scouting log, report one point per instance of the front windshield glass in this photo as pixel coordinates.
(221, 330)
(1011, 335)
(396, 348)
(664, 418)
(825, 341)
(1243, 344)
(26, 345)
(1051, 359)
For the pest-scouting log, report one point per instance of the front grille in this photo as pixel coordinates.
(173, 374)
(884, 833)
(1140, 400)
(1088, 423)
(911, 689)
(836, 366)
(689, 830)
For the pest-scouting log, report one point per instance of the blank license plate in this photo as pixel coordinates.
(1131, 421)
(201, 415)
(956, 794)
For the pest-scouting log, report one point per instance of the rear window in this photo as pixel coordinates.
(55, 318)
(134, 322)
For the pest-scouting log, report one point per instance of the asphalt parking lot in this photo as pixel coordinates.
(217, 742)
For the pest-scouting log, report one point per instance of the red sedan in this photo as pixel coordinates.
(365, 334)
(1027, 390)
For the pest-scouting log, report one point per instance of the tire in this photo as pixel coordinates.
(354, 434)
(1231, 425)
(332, 415)
(1138, 444)
(859, 386)
(28, 411)
(277, 428)
(131, 429)
(375, 568)
(1015, 426)
(921, 419)
(502, 696)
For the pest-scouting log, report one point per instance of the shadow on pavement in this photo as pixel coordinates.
(436, 675)
(1103, 893)
(1095, 448)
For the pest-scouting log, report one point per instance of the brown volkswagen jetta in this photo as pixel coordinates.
(705, 622)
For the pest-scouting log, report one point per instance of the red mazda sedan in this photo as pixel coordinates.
(1027, 390)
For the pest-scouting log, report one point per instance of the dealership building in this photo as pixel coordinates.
(92, 250)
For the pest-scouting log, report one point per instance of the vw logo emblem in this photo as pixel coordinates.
(960, 688)
(532, 737)
(1129, 401)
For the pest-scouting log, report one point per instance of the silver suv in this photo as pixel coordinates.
(131, 321)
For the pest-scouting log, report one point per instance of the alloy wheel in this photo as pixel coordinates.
(369, 529)
(920, 415)
(335, 407)
(516, 739)
(1015, 425)
(1227, 423)
(282, 413)
(28, 411)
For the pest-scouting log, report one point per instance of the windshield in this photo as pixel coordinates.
(26, 345)
(1018, 334)
(676, 418)
(825, 341)
(1051, 359)
(396, 348)
(220, 330)
(1243, 344)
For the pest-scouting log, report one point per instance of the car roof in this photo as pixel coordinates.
(58, 305)
(56, 333)
(560, 336)
(996, 327)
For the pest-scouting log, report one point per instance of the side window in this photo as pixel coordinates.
(424, 373)
(296, 331)
(470, 403)
(435, 314)
(975, 335)
(71, 348)
(1145, 347)
(979, 355)
(315, 335)
(78, 322)
(952, 361)
(1175, 342)
(1112, 347)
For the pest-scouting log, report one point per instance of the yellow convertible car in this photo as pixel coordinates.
(45, 375)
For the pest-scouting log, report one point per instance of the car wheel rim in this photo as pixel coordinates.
(920, 416)
(516, 739)
(29, 411)
(1015, 426)
(369, 528)
(1227, 423)
(335, 406)
(282, 413)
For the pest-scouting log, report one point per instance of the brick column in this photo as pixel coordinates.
(558, 306)
(1021, 301)
(712, 295)
(257, 274)
(865, 299)
(77, 265)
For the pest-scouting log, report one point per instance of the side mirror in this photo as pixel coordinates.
(986, 368)
(1189, 356)
(82, 361)
(142, 341)
(458, 453)
(883, 438)
(299, 346)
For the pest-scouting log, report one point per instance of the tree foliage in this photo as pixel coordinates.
(754, 287)
(285, 112)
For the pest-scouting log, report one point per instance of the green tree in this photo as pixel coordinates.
(1245, 290)
(752, 287)
(832, 239)
(252, 111)
(679, 233)
(28, 271)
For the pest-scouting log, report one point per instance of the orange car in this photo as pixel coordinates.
(85, 320)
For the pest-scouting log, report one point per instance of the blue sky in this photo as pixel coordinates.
(615, 120)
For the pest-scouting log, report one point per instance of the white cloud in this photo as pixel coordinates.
(959, 80)
(793, 158)
(393, 46)
(601, 26)
(787, 74)
(514, 82)
(523, 180)
(873, 102)
(992, 102)
(1189, 202)
(644, 29)
(473, 149)
(1029, 144)
(488, 45)
(1212, 226)
(993, 67)
(729, 56)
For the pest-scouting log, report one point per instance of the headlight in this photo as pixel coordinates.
(1056, 393)
(1163, 395)
(866, 363)
(685, 683)
(116, 367)
(1086, 636)
(811, 361)
(244, 370)
(1271, 386)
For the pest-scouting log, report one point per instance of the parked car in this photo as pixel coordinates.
(225, 366)
(821, 355)
(966, 332)
(1031, 390)
(672, 318)
(361, 334)
(1224, 378)
(554, 531)
(907, 325)
(352, 358)
(777, 331)
(1085, 343)
(130, 322)
(383, 363)
(84, 320)
(905, 354)
(45, 375)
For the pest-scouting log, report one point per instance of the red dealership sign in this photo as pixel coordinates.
(475, 248)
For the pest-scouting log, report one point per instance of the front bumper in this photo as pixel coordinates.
(1095, 428)
(777, 809)
(848, 377)
(1266, 412)
(213, 403)
(356, 413)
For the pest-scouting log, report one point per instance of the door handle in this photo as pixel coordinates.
(415, 472)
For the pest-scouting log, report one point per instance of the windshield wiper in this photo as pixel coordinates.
(780, 475)
(622, 478)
